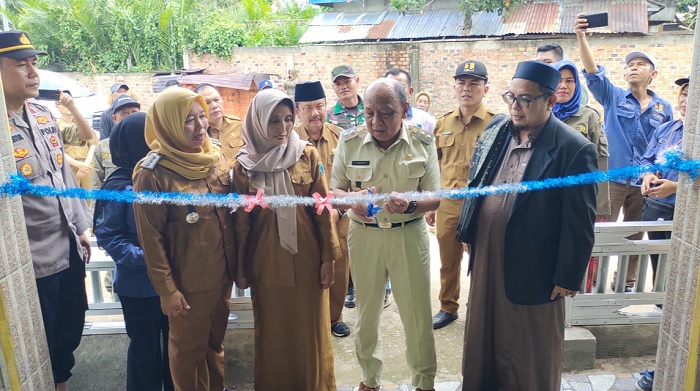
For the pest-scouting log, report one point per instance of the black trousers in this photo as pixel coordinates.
(653, 210)
(63, 304)
(147, 366)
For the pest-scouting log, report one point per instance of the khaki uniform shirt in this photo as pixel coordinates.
(326, 146)
(229, 138)
(410, 164)
(52, 222)
(189, 257)
(102, 163)
(589, 123)
(344, 117)
(261, 257)
(455, 144)
(72, 144)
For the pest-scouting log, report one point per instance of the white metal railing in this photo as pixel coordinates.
(107, 308)
(607, 305)
(600, 307)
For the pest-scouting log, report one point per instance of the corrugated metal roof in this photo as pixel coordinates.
(629, 16)
(432, 23)
(536, 17)
(335, 33)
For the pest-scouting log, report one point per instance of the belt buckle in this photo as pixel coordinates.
(385, 224)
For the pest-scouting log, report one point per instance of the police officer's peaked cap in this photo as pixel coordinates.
(16, 44)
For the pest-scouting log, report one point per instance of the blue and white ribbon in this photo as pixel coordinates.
(670, 160)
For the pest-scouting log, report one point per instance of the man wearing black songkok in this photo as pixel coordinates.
(528, 250)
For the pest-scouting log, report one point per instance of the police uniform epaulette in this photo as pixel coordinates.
(446, 114)
(425, 137)
(594, 109)
(151, 161)
(351, 133)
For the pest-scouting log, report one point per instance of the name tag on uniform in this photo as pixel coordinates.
(360, 162)
(449, 132)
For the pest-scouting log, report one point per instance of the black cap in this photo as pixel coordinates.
(124, 101)
(683, 81)
(543, 74)
(16, 44)
(309, 91)
(472, 68)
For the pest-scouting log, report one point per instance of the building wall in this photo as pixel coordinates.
(432, 64)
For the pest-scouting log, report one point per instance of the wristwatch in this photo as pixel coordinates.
(411, 207)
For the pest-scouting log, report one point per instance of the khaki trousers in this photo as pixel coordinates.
(339, 289)
(85, 182)
(196, 341)
(451, 253)
(402, 254)
(630, 199)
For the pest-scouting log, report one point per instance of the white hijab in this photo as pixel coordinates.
(267, 163)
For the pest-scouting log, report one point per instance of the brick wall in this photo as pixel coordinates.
(139, 83)
(432, 64)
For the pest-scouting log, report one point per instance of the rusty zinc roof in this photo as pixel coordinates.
(536, 17)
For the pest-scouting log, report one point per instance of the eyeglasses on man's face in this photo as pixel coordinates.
(524, 103)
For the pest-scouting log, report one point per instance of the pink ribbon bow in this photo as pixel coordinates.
(257, 200)
(323, 203)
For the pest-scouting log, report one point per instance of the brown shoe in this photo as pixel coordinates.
(363, 387)
(419, 389)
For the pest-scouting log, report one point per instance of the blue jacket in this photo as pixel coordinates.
(115, 229)
(667, 136)
(628, 129)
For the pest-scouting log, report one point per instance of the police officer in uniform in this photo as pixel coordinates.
(456, 134)
(56, 227)
(386, 156)
(224, 130)
(310, 100)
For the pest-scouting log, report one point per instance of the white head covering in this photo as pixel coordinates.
(267, 163)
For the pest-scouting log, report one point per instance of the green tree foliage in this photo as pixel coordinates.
(145, 35)
(689, 11)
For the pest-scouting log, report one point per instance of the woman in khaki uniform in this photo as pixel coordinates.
(285, 254)
(583, 119)
(189, 250)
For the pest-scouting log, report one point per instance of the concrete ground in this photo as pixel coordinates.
(608, 374)
(449, 342)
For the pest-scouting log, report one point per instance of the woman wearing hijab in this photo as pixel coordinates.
(422, 101)
(115, 228)
(291, 84)
(583, 119)
(189, 250)
(286, 254)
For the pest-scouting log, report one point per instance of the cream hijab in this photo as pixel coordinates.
(165, 135)
(267, 163)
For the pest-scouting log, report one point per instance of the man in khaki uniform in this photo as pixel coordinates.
(122, 106)
(310, 99)
(224, 130)
(79, 140)
(456, 134)
(387, 156)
